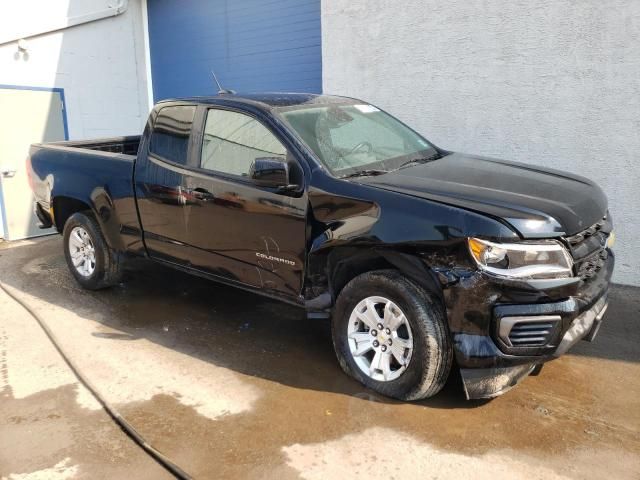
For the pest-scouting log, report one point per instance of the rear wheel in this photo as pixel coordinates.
(92, 263)
(391, 335)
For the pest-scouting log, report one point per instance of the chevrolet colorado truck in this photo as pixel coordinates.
(416, 255)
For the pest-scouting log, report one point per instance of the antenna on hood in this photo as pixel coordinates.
(221, 91)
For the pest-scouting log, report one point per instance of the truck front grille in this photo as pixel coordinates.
(597, 228)
(588, 248)
(590, 266)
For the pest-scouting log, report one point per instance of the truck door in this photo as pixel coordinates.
(160, 184)
(238, 230)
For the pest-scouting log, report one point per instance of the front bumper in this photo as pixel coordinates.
(584, 327)
(492, 382)
(491, 362)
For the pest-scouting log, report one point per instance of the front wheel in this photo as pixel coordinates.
(391, 335)
(93, 264)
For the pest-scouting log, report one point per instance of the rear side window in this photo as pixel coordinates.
(232, 141)
(170, 137)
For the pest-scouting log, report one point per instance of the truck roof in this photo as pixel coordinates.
(267, 100)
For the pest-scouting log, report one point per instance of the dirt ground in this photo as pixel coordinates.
(231, 385)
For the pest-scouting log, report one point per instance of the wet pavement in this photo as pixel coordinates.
(231, 385)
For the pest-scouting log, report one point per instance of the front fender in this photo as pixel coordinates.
(356, 228)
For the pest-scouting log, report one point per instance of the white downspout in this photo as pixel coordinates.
(147, 53)
(44, 26)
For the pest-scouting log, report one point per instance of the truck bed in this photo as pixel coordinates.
(94, 175)
(124, 145)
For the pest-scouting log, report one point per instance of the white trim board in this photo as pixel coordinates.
(147, 53)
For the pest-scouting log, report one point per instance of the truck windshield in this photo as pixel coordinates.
(354, 138)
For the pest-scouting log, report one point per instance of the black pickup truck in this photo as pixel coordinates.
(417, 255)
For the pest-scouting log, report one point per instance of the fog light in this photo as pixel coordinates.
(528, 331)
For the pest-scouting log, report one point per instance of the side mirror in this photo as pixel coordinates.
(270, 172)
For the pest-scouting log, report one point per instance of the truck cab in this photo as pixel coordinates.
(221, 192)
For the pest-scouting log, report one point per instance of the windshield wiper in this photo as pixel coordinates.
(366, 173)
(417, 161)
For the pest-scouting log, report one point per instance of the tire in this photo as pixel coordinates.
(105, 269)
(426, 366)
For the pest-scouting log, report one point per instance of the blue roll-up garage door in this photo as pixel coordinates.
(253, 45)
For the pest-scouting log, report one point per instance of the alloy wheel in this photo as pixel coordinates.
(82, 251)
(380, 338)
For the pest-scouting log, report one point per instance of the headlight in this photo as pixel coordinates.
(544, 259)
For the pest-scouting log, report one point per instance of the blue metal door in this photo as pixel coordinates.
(253, 45)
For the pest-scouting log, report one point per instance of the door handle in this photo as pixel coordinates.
(8, 173)
(203, 194)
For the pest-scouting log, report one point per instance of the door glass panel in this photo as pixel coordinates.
(170, 137)
(232, 141)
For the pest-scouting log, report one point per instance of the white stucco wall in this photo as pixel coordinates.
(100, 65)
(550, 82)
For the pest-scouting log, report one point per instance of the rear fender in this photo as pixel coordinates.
(100, 203)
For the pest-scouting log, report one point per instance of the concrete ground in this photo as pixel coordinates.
(230, 385)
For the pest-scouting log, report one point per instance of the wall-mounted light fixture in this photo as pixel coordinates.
(23, 50)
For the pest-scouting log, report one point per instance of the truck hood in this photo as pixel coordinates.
(537, 202)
